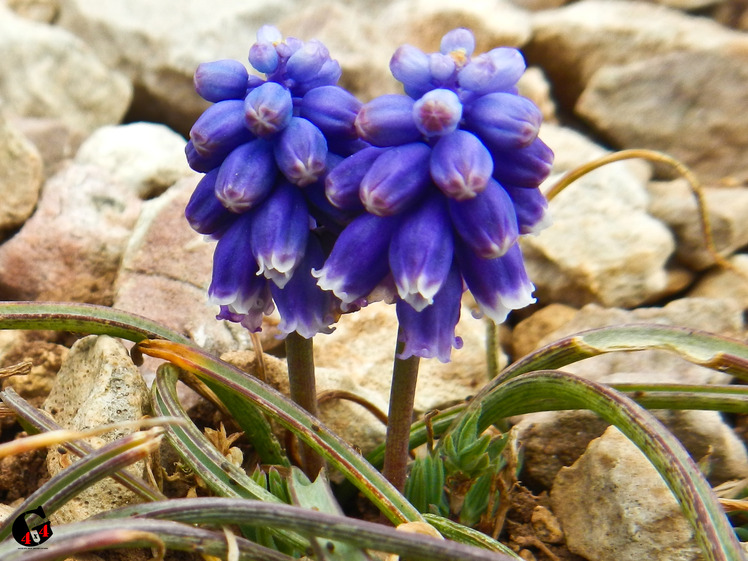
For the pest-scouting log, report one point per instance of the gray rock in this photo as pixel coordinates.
(573, 42)
(686, 104)
(21, 179)
(673, 203)
(602, 246)
(97, 385)
(48, 72)
(70, 249)
(613, 505)
(145, 156)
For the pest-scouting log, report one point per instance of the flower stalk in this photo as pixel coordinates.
(300, 359)
(402, 397)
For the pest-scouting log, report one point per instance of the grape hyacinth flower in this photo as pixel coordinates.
(265, 145)
(448, 186)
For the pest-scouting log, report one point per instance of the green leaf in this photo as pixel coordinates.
(424, 487)
(96, 535)
(88, 470)
(84, 318)
(363, 534)
(318, 497)
(544, 390)
(306, 427)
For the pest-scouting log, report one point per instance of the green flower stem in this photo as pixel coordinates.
(402, 396)
(300, 358)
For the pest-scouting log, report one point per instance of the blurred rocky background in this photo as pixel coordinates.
(96, 98)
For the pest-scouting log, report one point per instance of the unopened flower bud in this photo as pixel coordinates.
(503, 121)
(388, 121)
(247, 176)
(461, 165)
(398, 178)
(437, 113)
(300, 152)
(268, 109)
(221, 80)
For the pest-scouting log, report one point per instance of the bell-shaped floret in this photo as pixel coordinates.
(460, 165)
(300, 152)
(303, 306)
(421, 252)
(523, 167)
(342, 182)
(358, 261)
(531, 208)
(332, 109)
(278, 237)
(388, 121)
(398, 178)
(437, 113)
(411, 66)
(268, 109)
(247, 176)
(459, 42)
(430, 333)
(235, 283)
(498, 285)
(220, 129)
(204, 212)
(487, 223)
(503, 121)
(221, 80)
(495, 71)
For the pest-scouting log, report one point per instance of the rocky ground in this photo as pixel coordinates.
(95, 98)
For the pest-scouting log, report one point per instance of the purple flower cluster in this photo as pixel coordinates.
(323, 204)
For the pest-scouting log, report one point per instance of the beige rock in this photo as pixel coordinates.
(47, 72)
(602, 246)
(145, 156)
(689, 105)
(71, 247)
(424, 22)
(159, 45)
(528, 333)
(97, 385)
(21, 179)
(673, 203)
(613, 505)
(38, 10)
(572, 42)
(726, 283)
(552, 440)
(55, 141)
